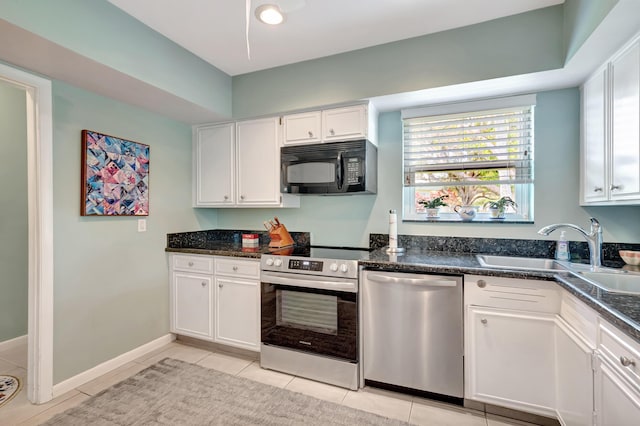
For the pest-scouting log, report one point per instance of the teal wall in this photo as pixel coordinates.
(349, 220)
(518, 44)
(581, 17)
(111, 284)
(13, 214)
(102, 32)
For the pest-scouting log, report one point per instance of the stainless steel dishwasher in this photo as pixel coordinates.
(413, 333)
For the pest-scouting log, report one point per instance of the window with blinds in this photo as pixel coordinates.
(472, 157)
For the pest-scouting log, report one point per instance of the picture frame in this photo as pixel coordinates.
(115, 176)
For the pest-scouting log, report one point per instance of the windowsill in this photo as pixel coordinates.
(480, 218)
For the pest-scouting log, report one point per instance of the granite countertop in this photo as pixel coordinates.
(222, 248)
(623, 310)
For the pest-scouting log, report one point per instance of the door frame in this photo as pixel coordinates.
(39, 113)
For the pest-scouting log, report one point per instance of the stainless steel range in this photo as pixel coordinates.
(309, 314)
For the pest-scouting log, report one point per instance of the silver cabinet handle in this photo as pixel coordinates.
(482, 283)
(204, 283)
(332, 132)
(220, 285)
(616, 187)
(242, 197)
(597, 189)
(310, 134)
(190, 263)
(483, 320)
(626, 362)
(226, 197)
(235, 268)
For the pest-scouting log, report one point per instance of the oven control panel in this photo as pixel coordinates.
(305, 265)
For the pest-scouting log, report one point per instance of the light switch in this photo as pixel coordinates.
(142, 225)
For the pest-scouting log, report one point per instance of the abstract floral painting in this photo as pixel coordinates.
(115, 176)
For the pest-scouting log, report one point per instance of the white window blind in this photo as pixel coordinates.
(491, 147)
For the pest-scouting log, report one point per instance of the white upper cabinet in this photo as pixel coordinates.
(213, 160)
(625, 125)
(594, 175)
(303, 128)
(610, 171)
(331, 125)
(340, 124)
(258, 162)
(238, 165)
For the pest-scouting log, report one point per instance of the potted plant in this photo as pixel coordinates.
(497, 208)
(432, 206)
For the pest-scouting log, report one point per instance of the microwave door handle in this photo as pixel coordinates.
(339, 171)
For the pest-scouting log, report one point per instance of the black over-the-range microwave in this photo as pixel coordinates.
(336, 168)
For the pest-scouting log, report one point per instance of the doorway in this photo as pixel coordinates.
(39, 120)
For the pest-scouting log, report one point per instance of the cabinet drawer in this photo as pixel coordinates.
(202, 264)
(238, 267)
(511, 293)
(579, 316)
(619, 349)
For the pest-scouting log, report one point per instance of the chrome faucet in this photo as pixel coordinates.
(594, 238)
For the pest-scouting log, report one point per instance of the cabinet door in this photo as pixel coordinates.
(237, 313)
(617, 401)
(625, 131)
(191, 313)
(574, 377)
(594, 139)
(213, 158)
(510, 359)
(258, 162)
(302, 128)
(344, 123)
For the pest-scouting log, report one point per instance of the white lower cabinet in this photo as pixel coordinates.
(192, 305)
(237, 307)
(511, 359)
(574, 376)
(617, 400)
(617, 379)
(216, 299)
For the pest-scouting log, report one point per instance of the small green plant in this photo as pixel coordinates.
(434, 203)
(501, 204)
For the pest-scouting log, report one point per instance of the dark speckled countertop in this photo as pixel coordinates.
(622, 310)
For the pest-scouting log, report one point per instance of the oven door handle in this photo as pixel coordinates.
(310, 281)
(412, 281)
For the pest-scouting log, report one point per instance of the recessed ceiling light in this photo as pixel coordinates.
(269, 14)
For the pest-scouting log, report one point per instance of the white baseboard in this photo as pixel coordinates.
(97, 371)
(12, 343)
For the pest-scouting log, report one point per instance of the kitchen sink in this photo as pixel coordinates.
(615, 282)
(524, 263)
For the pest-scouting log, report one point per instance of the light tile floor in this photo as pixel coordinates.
(415, 410)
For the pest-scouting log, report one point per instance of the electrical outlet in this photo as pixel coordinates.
(142, 225)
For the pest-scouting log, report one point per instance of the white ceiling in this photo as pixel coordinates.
(215, 29)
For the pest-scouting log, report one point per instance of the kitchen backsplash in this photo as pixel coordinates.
(202, 238)
(500, 246)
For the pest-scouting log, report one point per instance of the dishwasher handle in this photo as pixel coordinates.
(425, 282)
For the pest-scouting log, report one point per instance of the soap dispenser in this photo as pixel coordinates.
(562, 248)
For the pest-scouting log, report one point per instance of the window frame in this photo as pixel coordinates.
(524, 191)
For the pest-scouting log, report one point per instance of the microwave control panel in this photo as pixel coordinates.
(353, 170)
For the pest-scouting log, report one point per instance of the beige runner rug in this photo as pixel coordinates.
(174, 392)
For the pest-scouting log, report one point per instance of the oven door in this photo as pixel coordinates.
(314, 320)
